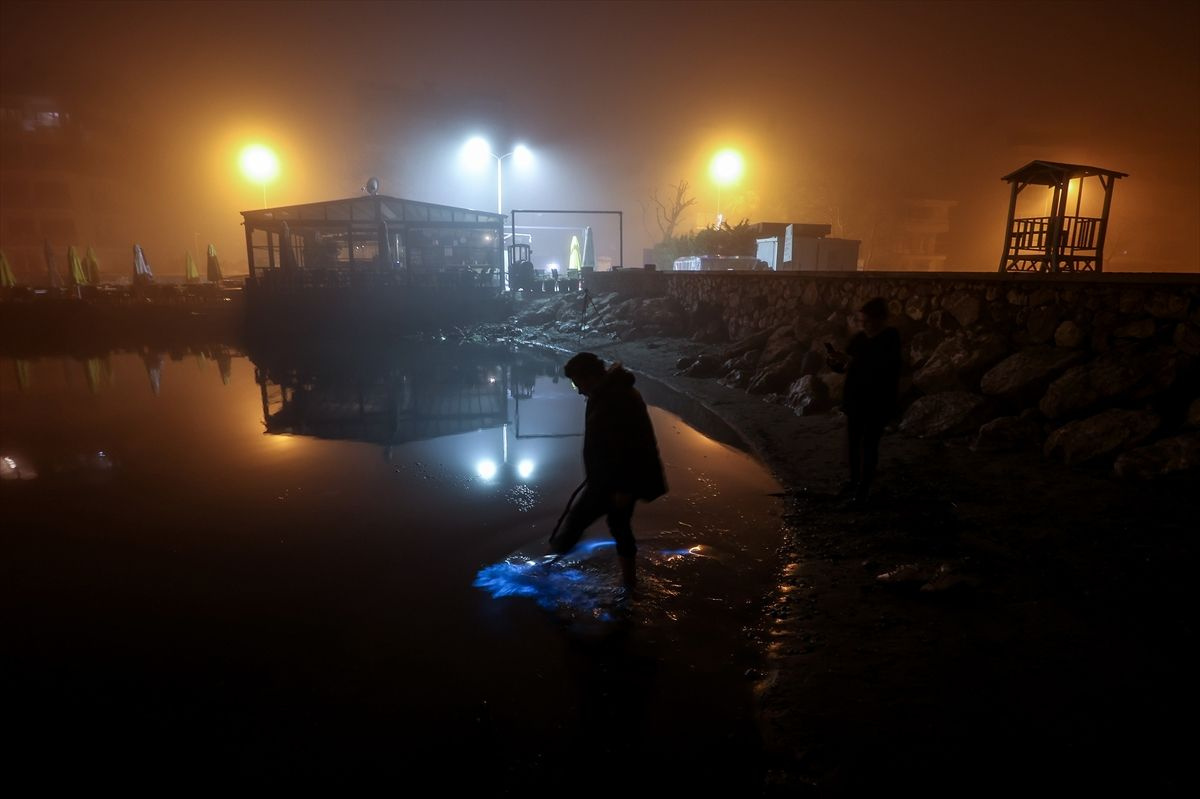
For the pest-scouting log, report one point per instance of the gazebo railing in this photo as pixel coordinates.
(1031, 233)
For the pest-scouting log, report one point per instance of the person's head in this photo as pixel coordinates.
(872, 316)
(586, 371)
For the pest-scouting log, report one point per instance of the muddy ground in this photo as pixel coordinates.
(987, 623)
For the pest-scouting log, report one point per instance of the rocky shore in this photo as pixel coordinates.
(1009, 610)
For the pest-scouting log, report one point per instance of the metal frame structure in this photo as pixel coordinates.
(619, 214)
(1058, 242)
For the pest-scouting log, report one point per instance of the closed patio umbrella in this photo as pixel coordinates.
(7, 279)
(589, 249)
(75, 271)
(52, 267)
(214, 265)
(190, 272)
(141, 269)
(576, 256)
(91, 265)
(287, 255)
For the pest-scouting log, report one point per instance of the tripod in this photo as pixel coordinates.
(587, 301)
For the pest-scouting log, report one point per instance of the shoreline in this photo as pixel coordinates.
(989, 619)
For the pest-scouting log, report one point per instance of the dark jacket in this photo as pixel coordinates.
(873, 376)
(620, 453)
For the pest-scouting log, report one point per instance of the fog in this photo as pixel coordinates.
(842, 110)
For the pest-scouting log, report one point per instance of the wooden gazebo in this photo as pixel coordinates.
(1058, 241)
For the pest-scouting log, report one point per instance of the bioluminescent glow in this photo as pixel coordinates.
(568, 583)
(525, 468)
(486, 469)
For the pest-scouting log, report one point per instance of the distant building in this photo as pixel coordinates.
(58, 185)
(917, 240)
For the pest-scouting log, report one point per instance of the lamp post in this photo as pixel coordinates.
(476, 152)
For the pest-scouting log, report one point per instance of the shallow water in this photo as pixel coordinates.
(331, 562)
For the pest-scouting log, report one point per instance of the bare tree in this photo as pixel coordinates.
(667, 213)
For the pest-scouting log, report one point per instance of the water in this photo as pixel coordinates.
(318, 564)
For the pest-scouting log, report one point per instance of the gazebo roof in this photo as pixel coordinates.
(371, 209)
(1051, 173)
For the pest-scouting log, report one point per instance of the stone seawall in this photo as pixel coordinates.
(1087, 368)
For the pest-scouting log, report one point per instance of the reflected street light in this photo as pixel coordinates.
(260, 164)
(476, 152)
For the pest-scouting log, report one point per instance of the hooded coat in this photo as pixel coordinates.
(620, 452)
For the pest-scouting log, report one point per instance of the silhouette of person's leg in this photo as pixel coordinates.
(620, 525)
(854, 442)
(872, 433)
(588, 508)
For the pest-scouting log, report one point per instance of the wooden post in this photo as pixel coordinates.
(250, 249)
(1008, 229)
(1108, 192)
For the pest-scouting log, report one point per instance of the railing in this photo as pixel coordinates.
(345, 279)
(1031, 233)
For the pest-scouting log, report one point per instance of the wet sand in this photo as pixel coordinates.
(1032, 633)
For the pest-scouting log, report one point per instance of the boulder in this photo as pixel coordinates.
(539, 312)
(1187, 338)
(1104, 378)
(746, 362)
(705, 365)
(808, 395)
(1174, 454)
(1142, 328)
(1070, 335)
(915, 307)
(777, 376)
(736, 379)
(1024, 376)
(754, 341)
(1008, 433)
(922, 345)
(1164, 305)
(945, 413)
(1042, 322)
(1099, 435)
(940, 320)
(836, 384)
(959, 362)
(964, 307)
(781, 343)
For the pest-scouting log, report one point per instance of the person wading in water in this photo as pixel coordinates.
(620, 458)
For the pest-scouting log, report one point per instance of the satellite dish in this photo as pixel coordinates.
(372, 186)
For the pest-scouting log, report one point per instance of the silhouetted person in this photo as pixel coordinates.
(872, 366)
(620, 458)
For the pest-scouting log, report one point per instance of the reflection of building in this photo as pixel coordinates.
(58, 185)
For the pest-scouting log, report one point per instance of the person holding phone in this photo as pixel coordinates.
(871, 364)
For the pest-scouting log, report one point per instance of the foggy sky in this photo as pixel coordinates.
(834, 105)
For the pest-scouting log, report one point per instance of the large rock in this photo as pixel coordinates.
(754, 341)
(1187, 338)
(959, 362)
(778, 376)
(1025, 375)
(808, 395)
(705, 365)
(664, 313)
(1142, 328)
(781, 343)
(945, 413)
(1162, 457)
(1042, 322)
(1069, 334)
(1104, 378)
(1099, 435)
(922, 346)
(1008, 433)
(539, 312)
(1167, 306)
(963, 306)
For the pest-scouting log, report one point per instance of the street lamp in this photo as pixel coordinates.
(260, 164)
(725, 169)
(476, 152)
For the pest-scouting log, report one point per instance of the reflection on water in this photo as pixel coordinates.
(307, 562)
